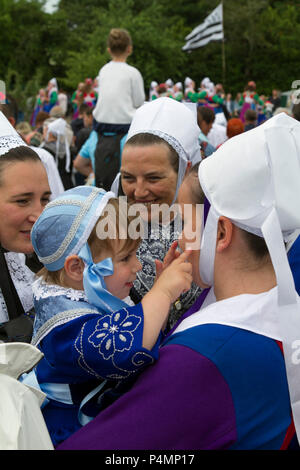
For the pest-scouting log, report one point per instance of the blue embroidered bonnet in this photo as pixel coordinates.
(66, 223)
(63, 229)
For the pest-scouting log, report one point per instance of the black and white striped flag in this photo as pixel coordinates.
(210, 30)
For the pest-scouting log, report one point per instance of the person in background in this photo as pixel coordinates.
(57, 140)
(77, 99)
(153, 90)
(205, 120)
(250, 119)
(235, 126)
(275, 99)
(177, 92)
(79, 140)
(62, 100)
(236, 105)
(296, 111)
(121, 94)
(51, 98)
(229, 104)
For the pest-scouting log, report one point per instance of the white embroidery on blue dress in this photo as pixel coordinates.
(60, 319)
(113, 333)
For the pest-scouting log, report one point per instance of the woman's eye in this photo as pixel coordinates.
(127, 177)
(45, 200)
(153, 179)
(22, 201)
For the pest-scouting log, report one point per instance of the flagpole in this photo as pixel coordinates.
(223, 47)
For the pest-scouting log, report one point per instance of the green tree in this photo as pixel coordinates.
(156, 45)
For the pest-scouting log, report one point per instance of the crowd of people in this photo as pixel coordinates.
(150, 266)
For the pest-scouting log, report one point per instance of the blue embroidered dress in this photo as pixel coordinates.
(82, 348)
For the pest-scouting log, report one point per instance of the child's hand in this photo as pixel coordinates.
(171, 255)
(176, 277)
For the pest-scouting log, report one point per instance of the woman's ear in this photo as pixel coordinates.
(224, 235)
(188, 167)
(74, 267)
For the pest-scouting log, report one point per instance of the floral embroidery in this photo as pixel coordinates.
(155, 246)
(114, 333)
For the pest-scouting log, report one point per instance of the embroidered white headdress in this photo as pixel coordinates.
(173, 122)
(53, 81)
(9, 138)
(59, 129)
(254, 180)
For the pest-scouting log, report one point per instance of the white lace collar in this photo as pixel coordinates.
(43, 290)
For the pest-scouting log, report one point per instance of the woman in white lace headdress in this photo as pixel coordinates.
(24, 191)
(162, 143)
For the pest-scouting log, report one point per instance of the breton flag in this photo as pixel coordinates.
(210, 30)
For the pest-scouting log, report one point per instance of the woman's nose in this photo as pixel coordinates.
(35, 212)
(140, 190)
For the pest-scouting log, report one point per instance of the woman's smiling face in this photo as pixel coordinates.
(147, 175)
(24, 192)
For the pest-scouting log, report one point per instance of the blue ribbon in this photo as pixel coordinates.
(94, 284)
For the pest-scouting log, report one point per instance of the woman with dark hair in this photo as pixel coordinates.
(24, 191)
(161, 145)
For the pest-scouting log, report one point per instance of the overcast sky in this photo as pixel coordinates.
(50, 5)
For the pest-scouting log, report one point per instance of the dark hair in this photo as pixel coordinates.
(251, 115)
(196, 192)
(256, 244)
(41, 117)
(7, 110)
(205, 114)
(88, 111)
(118, 40)
(16, 155)
(296, 111)
(83, 108)
(144, 139)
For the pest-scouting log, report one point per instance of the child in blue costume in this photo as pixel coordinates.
(88, 333)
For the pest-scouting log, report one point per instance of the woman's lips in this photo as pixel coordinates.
(26, 233)
(138, 201)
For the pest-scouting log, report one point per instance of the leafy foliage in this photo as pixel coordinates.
(261, 42)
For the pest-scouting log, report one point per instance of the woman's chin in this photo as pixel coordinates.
(25, 248)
